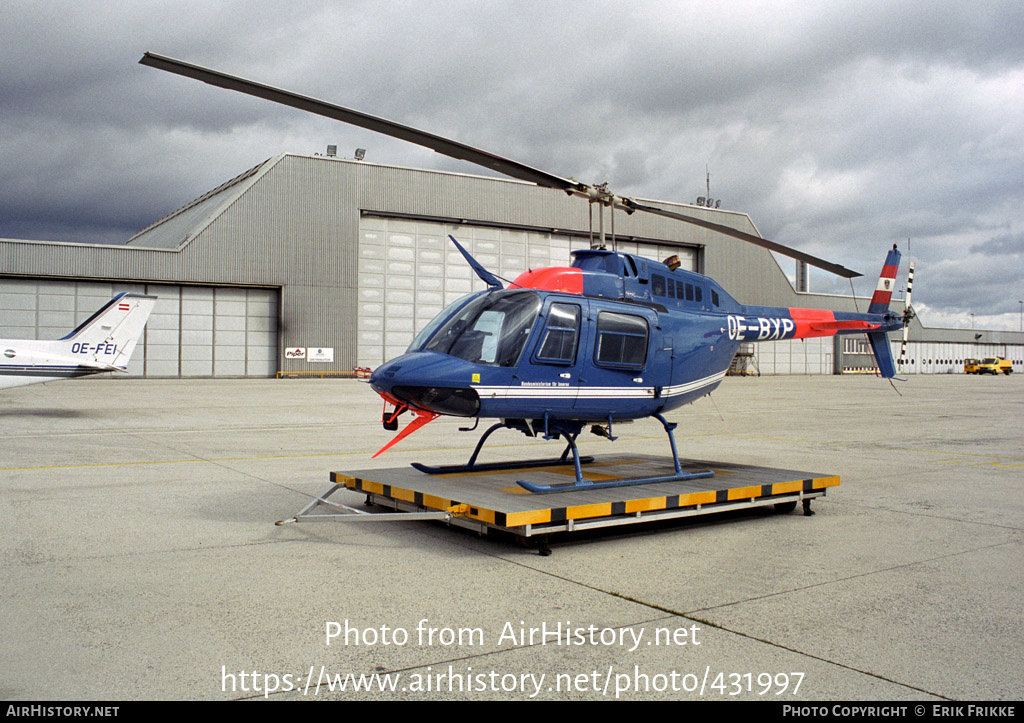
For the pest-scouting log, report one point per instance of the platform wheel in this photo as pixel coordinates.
(785, 507)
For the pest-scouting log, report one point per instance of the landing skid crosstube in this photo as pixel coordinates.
(569, 431)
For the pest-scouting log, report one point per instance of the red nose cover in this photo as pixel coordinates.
(422, 417)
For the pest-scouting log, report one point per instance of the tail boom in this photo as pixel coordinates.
(758, 323)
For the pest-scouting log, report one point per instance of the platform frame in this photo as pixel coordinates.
(485, 502)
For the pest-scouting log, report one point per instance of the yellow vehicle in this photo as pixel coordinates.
(971, 366)
(995, 365)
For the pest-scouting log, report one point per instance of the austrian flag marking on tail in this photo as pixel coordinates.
(886, 283)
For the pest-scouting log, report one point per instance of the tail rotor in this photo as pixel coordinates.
(908, 315)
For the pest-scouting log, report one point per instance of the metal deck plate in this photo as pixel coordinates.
(496, 500)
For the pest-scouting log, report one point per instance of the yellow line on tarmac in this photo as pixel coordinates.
(365, 453)
(175, 461)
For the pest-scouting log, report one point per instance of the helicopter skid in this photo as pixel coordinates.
(493, 466)
(607, 484)
(582, 483)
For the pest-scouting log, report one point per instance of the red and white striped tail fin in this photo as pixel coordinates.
(886, 283)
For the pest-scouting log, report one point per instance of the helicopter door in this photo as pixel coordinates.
(615, 362)
(551, 372)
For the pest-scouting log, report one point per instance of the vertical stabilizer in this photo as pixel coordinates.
(879, 340)
(108, 337)
(886, 283)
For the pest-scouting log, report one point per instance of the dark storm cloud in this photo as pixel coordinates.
(840, 127)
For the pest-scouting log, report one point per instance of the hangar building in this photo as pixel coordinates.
(313, 264)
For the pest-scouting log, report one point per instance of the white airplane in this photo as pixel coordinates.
(102, 343)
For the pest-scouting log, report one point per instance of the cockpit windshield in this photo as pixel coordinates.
(428, 331)
(490, 329)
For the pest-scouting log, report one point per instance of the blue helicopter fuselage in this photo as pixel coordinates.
(612, 337)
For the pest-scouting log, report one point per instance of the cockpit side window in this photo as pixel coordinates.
(491, 329)
(558, 342)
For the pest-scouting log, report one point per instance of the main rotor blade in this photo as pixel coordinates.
(441, 145)
(457, 150)
(742, 235)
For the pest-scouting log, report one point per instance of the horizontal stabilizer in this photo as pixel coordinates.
(101, 367)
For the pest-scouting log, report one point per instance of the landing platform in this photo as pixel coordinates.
(493, 500)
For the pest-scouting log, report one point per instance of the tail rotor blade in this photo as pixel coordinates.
(908, 314)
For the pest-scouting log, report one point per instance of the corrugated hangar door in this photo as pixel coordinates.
(194, 331)
(409, 271)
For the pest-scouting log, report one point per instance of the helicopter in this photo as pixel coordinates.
(611, 338)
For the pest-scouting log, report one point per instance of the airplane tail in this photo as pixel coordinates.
(107, 339)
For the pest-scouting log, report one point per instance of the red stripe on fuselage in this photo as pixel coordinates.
(805, 320)
(566, 279)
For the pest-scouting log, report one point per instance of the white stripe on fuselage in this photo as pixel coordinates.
(584, 392)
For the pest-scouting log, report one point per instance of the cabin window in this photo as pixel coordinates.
(689, 292)
(621, 340)
(714, 297)
(558, 344)
(658, 284)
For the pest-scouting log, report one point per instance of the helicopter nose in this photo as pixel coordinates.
(426, 380)
(382, 378)
(456, 401)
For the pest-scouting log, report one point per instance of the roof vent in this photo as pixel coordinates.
(332, 151)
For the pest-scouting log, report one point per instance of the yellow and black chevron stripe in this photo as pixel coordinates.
(589, 511)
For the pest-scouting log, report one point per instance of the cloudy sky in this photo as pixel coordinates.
(840, 127)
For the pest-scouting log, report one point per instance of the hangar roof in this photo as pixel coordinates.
(175, 229)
